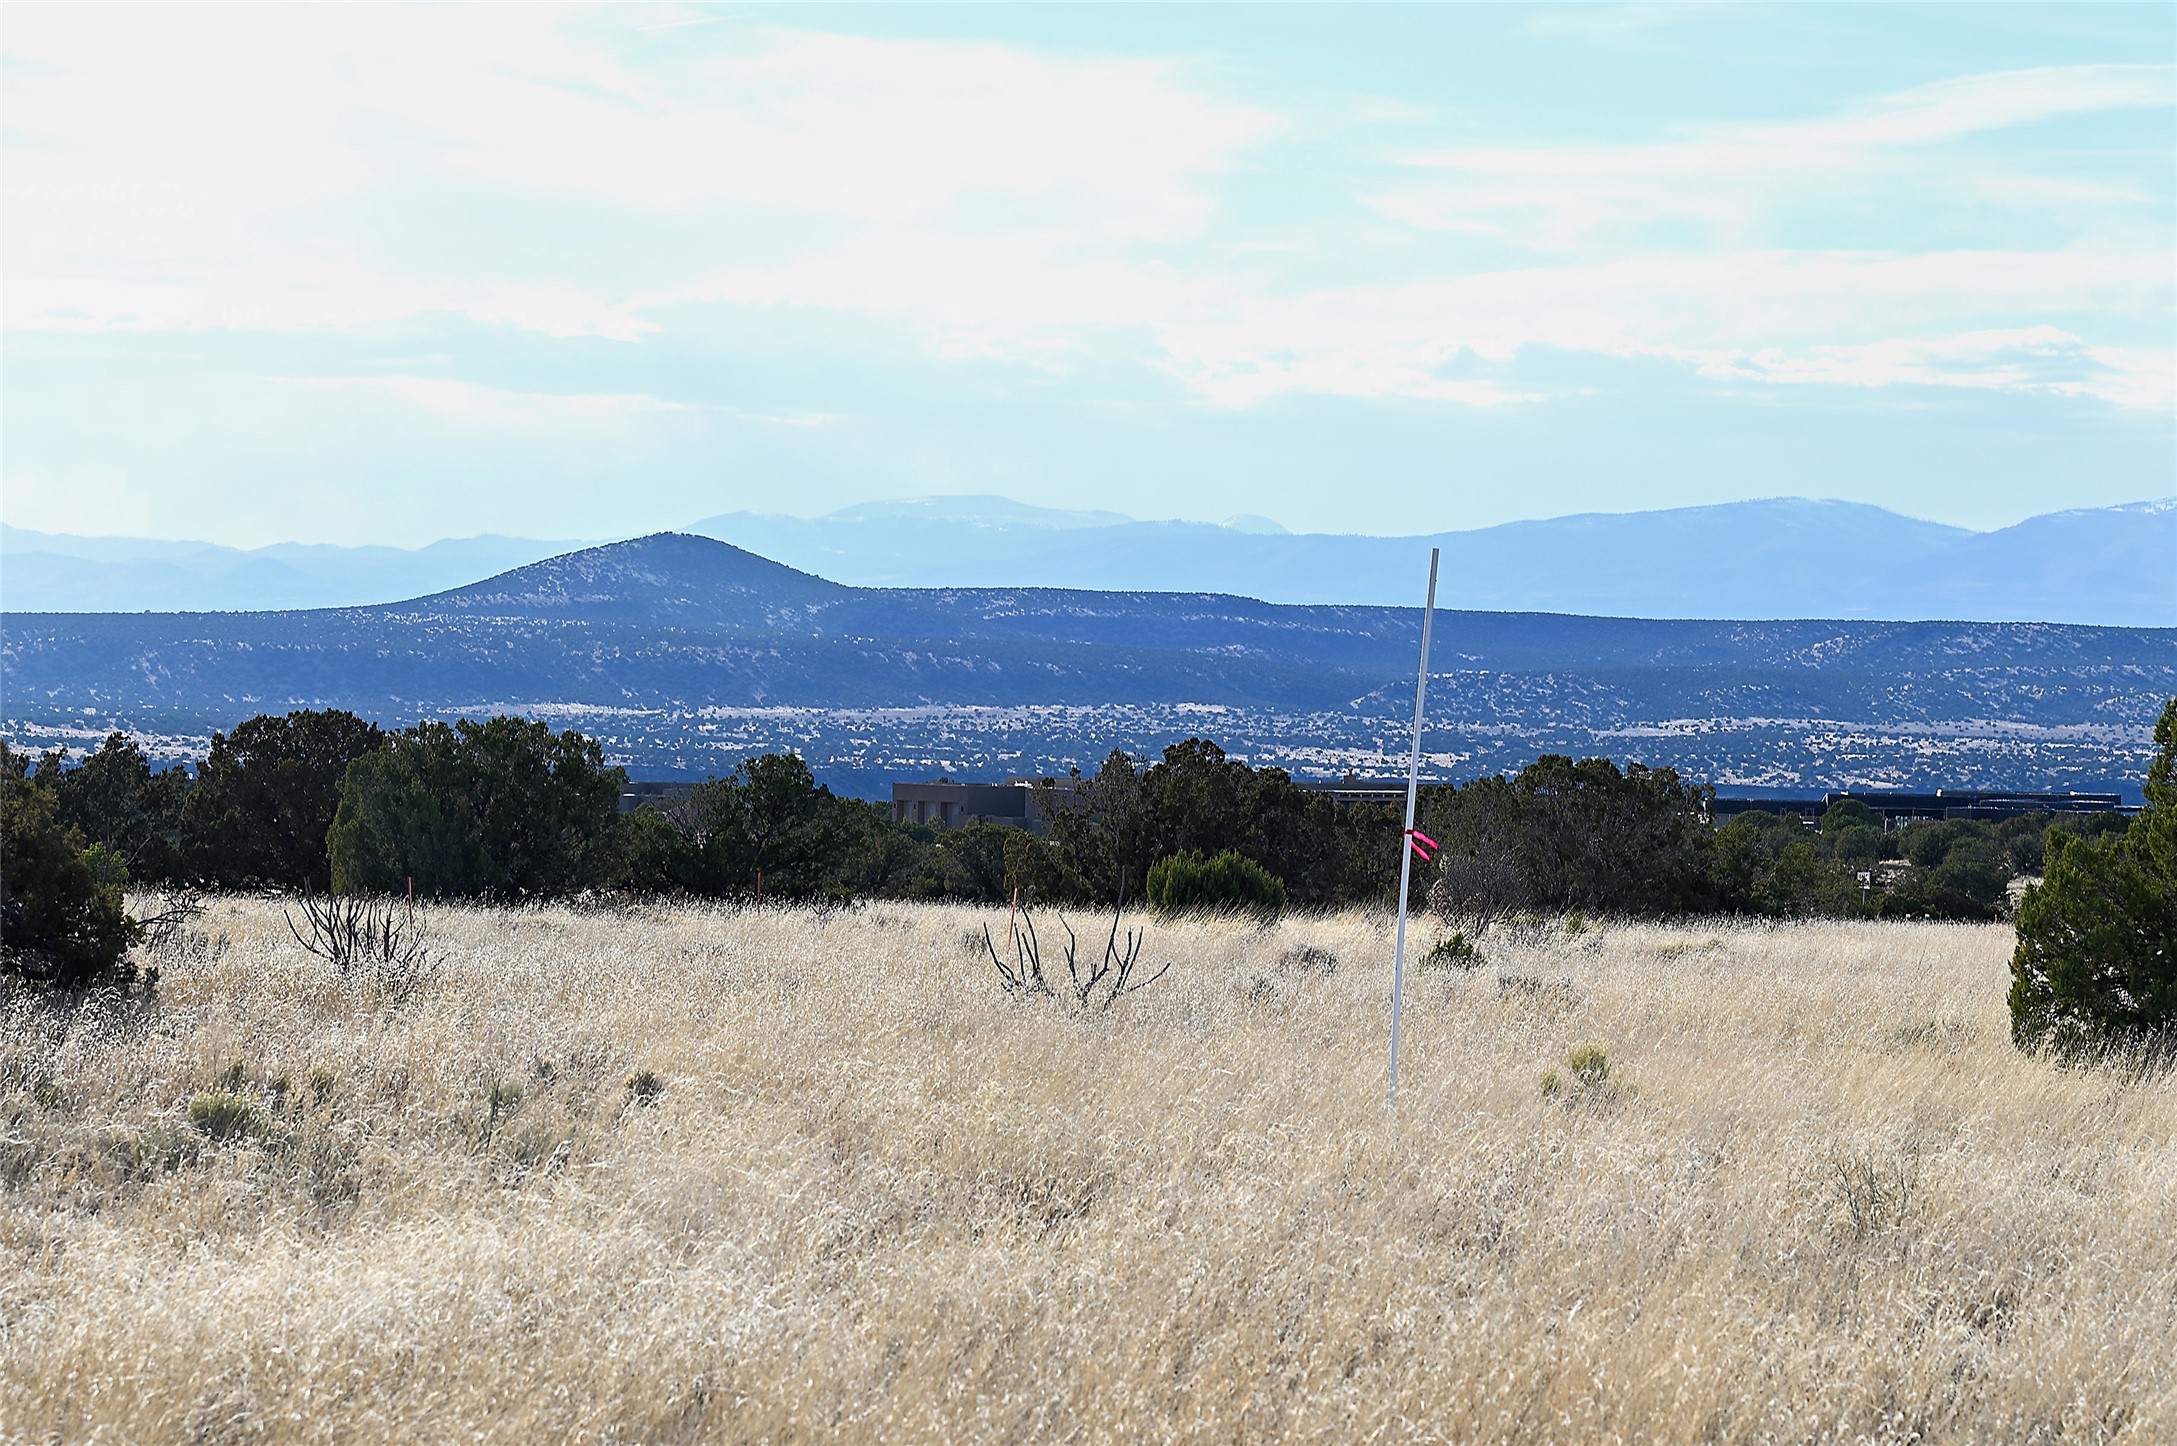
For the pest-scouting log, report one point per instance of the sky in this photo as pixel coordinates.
(389, 274)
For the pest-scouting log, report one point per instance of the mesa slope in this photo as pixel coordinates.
(686, 654)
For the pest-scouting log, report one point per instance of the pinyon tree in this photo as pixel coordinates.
(2096, 964)
(499, 809)
(265, 797)
(58, 924)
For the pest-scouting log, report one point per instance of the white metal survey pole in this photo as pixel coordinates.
(1406, 839)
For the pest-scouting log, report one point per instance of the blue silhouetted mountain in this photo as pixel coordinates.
(1780, 558)
(53, 572)
(1773, 558)
(667, 578)
(685, 653)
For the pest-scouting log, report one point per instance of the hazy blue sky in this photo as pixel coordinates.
(387, 275)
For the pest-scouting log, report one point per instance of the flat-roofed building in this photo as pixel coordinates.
(654, 793)
(1898, 806)
(1361, 790)
(954, 805)
(1017, 802)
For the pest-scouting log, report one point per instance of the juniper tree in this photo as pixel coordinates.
(2096, 963)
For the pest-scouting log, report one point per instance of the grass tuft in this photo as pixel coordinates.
(223, 1115)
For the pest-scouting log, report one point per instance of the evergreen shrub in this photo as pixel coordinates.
(58, 924)
(2096, 963)
(1227, 882)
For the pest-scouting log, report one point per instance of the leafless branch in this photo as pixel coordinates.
(366, 934)
(178, 906)
(1096, 983)
(1025, 974)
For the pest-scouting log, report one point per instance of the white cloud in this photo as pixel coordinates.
(532, 412)
(1947, 109)
(797, 420)
(1026, 296)
(1786, 316)
(1237, 340)
(208, 167)
(1723, 179)
(890, 132)
(1652, 253)
(494, 406)
(298, 168)
(2028, 359)
(267, 290)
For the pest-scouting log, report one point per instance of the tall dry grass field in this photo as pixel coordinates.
(1811, 1194)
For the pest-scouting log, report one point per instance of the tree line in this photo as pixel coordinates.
(1564, 835)
(507, 808)
(504, 808)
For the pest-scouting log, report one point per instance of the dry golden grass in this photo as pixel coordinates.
(1817, 1197)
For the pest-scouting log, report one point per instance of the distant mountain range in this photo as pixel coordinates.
(55, 572)
(1782, 558)
(685, 654)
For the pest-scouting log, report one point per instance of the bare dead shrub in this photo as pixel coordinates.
(1873, 1190)
(1308, 959)
(166, 928)
(1091, 982)
(1474, 889)
(367, 935)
